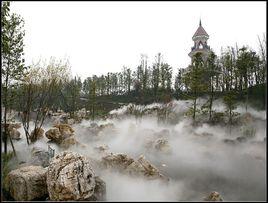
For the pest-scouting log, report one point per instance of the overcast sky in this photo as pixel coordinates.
(98, 37)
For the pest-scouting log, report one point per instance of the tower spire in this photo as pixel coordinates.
(200, 24)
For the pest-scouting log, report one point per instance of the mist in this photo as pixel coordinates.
(195, 164)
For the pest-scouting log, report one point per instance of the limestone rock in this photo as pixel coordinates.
(102, 148)
(70, 121)
(162, 145)
(99, 191)
(70, 177)
(229, 141)
(27, 183)
(117, 161)
(241, 139)
(54, 135)
(143, 167)
(70, 141)
(126, 164)
(39, 157)
(65, 129)
(14, 134)
(36, 134)
(213, 196)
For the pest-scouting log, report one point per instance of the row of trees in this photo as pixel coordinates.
(231, 74)
(158, 76)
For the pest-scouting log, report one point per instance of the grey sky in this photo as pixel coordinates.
(98, 37)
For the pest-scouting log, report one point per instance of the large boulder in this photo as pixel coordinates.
(128, 165)
(162, 145)
(27, 183)
(12, 125)
(99, 191)
(39, 157)
(65, 130)
(145, 168)
(213, 197)
(62, 134)
(102, 148)
(14, 134)
(116, 161)
(246, 119)
(54, 135)
(68, 142)
(12, 130)
(36, 134)
(70, 177)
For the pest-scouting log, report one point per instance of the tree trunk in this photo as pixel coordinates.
(211, 100)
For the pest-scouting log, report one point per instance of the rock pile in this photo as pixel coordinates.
(213, 197)
(70, 177)
(39, 157)
(126, 164)
(13, 130)
(62, 134)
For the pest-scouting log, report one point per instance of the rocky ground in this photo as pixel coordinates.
(125, 158)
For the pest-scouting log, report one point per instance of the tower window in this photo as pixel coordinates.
(200, 46)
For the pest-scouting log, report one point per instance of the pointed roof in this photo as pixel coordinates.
(200, 30)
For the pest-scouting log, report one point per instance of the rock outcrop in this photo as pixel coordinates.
(162, 145)
(36, 134)
(117, 161)
(14, 134)
(70, 177)
(126, 164)
(54, 135)
(62, 134)
(213, 197)
(39, 157)
(27, 183)
(12, 129)
(68, 142)
(99, 191)
(65, 130)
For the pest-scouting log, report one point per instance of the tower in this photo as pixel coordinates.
(200, 43)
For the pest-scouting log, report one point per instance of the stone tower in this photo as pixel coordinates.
(200, 43)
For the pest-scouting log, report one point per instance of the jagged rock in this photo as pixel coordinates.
(65, 130)
(70, 121)
(70, 177)
(241, 139)
(229, 141)
(102, 148)
(12, 130)
(144, 167)
(54, 135)
(36, 134)
(99, 191)
(27, 183)
(106, 126)
(162, 145)
(14, 134)
(67, 142)
(39, 157)
(126, 164)
(12, 125)
(213, 196)
(246, 118)
(117, 161)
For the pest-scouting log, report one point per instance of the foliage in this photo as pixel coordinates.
(12, 66)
